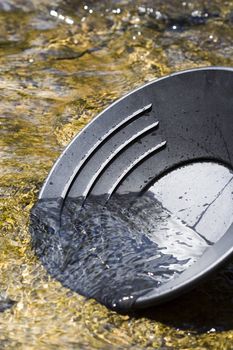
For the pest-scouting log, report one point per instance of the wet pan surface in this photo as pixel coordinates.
(139, 206)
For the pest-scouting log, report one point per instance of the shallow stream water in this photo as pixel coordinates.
(61, 63)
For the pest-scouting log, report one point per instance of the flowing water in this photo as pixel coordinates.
(114, 253)
(119, 250)
(61, 63)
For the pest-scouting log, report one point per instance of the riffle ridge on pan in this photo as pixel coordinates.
(114, 144)
(131, 167)
(104, 138)
(129, 142)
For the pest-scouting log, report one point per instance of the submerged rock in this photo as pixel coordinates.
(5, 302)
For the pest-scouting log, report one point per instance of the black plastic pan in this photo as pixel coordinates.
(173, 139)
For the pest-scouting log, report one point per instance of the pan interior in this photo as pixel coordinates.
(133, 244)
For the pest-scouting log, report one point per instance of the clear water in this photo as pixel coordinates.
(116, 252)
(119, 251)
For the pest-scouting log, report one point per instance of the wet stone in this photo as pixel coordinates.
(5, 303)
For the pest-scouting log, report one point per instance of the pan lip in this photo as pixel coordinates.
(42, 193)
